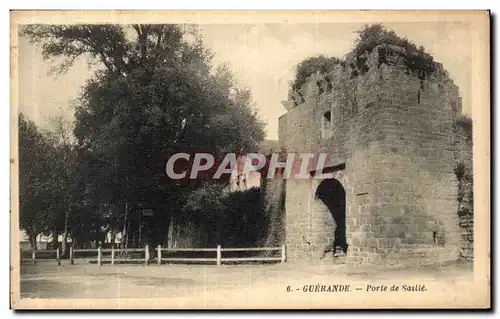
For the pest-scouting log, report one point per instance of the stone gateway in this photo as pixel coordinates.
(393, 198)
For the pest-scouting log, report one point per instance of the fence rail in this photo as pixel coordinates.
(114, 255)
(187, 249)
(219, 250)
(45, 252)
(252, 249)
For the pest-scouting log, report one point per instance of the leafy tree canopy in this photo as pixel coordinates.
(156, 87)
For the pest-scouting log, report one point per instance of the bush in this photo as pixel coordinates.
(465, 194)
(464, 122)
(310, 66)
(236, 217)
(416, 59)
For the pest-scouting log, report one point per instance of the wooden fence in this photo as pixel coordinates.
(114, 255)
(54, 254)
(218, 259)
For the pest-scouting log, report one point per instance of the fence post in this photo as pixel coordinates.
(99, 256)
(33, 256)
(158, 255)
(219, 253)
(113, 254)
(146, 255)
(71, 260)
(283, 253)
(58, 256)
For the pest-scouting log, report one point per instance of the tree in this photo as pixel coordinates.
(47, 179)
(155, 89)
(64, 175)
(35, 167)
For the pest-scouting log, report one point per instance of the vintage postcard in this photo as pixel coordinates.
(250, 160)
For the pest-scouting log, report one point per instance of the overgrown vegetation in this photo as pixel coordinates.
(312, 65)
(273, 205)
(463, 171)
(464, 122)
(233, 218)
(465, 195)
(416, 59)
(462, 130)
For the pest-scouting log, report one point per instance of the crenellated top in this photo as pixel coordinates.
(358, 68)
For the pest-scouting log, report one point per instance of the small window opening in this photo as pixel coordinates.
(418, 96)
(326, 125)
(328, 117)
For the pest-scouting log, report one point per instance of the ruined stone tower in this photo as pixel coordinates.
(390, 138)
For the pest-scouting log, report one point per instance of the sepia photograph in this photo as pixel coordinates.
(250, 160)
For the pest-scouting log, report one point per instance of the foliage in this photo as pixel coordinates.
(312, 65)
(236, 217)
(207, 199)
(155, 89)
(47, 178)
(465, 196)
(464, 123)
(415, 58)
(35, 165)
(463, 170)
(244, 218)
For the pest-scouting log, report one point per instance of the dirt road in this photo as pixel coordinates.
(249, 286)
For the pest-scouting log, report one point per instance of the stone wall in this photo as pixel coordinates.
(395, 136)
(464, 172)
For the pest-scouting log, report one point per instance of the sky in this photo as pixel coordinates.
(262, 57)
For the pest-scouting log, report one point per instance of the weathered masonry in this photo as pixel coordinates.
(390, 137)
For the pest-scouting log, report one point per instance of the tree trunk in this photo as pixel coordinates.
(55, 240)
(171, 234)
(124, 238)
(113, 236)
(167, 232)
(64, 243)
(32, 239)
(103, 236)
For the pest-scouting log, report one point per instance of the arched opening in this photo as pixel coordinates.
(333, 195)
